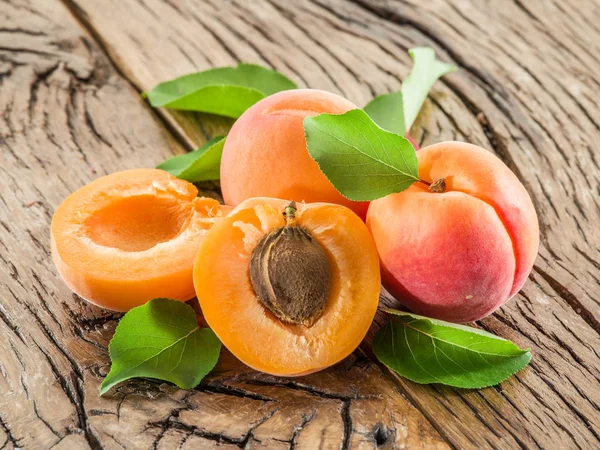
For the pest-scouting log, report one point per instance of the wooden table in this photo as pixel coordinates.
(70, 111)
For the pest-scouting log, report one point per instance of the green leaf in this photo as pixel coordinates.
(200, 165)
(226, 91)
(361, 160)
(162, 340)
(387, 111)
(425, 71)
(427, 350)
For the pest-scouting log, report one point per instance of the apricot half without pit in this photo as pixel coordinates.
(131, 236)
(289, 289)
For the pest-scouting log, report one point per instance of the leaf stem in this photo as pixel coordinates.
(424, 182)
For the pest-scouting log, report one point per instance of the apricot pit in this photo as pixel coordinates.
(290, 273)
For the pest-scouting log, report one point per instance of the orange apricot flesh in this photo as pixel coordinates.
(265, 153)
(460, 254)
(250, 331)
(132, 236)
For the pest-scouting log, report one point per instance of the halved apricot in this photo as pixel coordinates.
(132, 236)
(288, 289)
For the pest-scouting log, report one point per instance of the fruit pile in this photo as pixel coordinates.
(288, 272)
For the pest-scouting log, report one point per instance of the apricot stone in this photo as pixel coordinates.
(265, 153)
(460, 254)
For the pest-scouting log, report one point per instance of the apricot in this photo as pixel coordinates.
(132, 236)
(288, 294)
(459, 253)
(265, 152)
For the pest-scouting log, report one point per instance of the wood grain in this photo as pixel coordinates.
(67, 116)
(526, 90)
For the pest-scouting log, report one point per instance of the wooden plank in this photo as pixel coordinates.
(66, 118)
(525, 90)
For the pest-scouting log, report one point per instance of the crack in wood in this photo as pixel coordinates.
(298, 386)
(40, 78)
(95, 323)
(75, 390)
(581, 363)
(506, 425)
(44, 421)
(347, 421)
(576, 336)
(10, 438)
(25, 50)
(172, 422)
(11, 326)
(555, 420)
(306, 419)
(45, 307)
(570, 299)
(220, 388)
(90, 122)
(22, 31)
(72, 111)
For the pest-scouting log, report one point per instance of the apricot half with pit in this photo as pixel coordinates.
(288, 288)
(460, 248)
(132, 236)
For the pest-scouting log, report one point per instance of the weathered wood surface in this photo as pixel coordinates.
(71, 112)
(67, 118)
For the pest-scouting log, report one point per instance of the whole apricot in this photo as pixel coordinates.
(131, 236)
(292, 293)
(459, 249)
(265, 153)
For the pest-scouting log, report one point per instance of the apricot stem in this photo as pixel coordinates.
(438, 186)
(289, 213)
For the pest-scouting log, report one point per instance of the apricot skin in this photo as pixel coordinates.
(461, 254)
(265, 153)
(255, 335)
